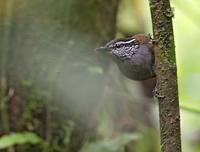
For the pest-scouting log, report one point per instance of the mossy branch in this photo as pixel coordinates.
(165, 63)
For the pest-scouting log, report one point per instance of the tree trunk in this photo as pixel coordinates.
(166, 89)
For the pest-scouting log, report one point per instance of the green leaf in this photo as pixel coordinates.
(19, 139)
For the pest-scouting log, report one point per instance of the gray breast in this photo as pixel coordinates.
(139, 66)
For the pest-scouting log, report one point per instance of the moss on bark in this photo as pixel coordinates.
(166, 88)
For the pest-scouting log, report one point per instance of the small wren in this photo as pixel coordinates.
(134, 56)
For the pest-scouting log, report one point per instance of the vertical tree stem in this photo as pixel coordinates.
(165, 63)
(4, 48)
(5, 33)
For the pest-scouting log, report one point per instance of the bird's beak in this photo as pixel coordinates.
(103, 49)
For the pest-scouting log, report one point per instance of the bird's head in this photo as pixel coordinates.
(134, 56)
(124, 48)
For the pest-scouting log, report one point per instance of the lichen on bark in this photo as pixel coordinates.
(166, 89)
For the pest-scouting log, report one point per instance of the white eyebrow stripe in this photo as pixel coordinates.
(125, 42)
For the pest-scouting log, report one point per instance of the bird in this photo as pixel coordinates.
(133, 55)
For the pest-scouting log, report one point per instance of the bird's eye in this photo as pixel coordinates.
(117, 45)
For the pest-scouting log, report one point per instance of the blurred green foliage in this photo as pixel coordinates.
(110, 145)
(21, 138)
